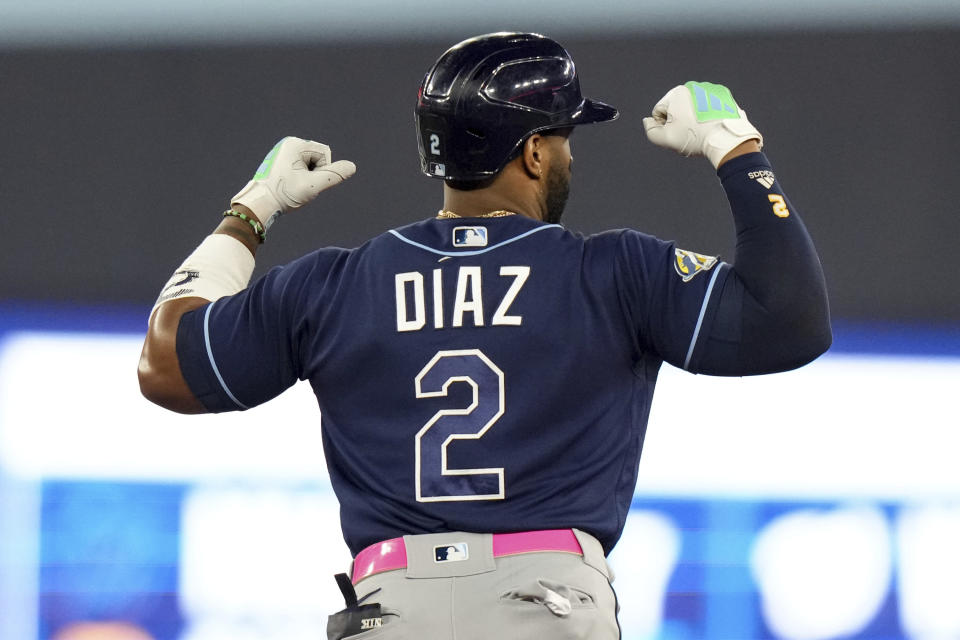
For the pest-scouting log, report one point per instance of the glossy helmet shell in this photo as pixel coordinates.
(486, 95)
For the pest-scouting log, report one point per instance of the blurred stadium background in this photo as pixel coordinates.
(823, 503)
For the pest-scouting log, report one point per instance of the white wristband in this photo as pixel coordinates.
(220, 266)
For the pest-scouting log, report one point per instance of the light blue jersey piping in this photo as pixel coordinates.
(703, 312)
(478, 251)
(213, 363)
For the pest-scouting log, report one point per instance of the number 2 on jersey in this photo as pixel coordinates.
(435, 481)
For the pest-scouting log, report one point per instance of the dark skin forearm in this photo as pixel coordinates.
(161, 381)
(742, 149)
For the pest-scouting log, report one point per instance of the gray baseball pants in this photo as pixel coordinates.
(529, 596)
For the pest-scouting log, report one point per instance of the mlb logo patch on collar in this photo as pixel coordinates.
(688, 264)
(469, 237)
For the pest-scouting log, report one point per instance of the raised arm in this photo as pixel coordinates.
(771, 312)
(293, 173)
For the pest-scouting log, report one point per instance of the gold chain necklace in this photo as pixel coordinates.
(443, 213)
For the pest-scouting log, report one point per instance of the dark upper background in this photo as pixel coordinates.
(117, 160)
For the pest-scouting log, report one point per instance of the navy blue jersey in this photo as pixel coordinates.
(481, 374)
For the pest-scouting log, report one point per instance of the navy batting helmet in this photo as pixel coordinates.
(484, 96)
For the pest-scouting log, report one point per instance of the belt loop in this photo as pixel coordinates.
(593, 555)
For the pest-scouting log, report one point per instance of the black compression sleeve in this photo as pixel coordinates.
(772, 312)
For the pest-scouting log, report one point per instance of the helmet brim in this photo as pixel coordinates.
(593, 111)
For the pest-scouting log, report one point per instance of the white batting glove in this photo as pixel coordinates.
(291, 175)
(700, 118)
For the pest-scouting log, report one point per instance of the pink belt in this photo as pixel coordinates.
(392, 554)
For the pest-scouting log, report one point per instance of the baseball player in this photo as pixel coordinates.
(485, 375)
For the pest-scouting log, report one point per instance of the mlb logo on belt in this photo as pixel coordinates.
(454, 552)
(469, 236)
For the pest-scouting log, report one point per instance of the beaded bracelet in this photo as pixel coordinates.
(257, 227)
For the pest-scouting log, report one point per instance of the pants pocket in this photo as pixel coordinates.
(557, 598)
(544, 608)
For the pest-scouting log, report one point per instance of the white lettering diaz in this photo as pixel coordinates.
(468, 299)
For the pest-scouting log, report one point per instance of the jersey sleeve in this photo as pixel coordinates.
(767, 312)
(773, 313)
(669, 294)
(242, 350)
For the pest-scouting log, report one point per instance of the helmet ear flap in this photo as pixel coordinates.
(432, 142)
